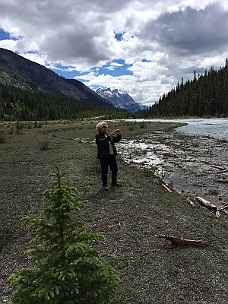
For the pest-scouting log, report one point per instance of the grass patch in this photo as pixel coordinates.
(151, 269)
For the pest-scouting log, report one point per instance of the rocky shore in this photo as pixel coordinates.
(193, 166)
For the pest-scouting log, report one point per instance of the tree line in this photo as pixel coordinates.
(25, 105)
(205, 95)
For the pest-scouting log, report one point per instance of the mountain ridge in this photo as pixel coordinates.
(21, 72)
(18, 71)
(120, 99)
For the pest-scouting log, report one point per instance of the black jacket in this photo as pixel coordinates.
(103, 145)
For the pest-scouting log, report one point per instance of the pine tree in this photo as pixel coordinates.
(65, 268)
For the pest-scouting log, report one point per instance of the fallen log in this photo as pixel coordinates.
(209, 205)
(224, 181)
(206, 203)
(224, 206)
(191, 202)
(218, 167)
(179, 240)
(166, 187)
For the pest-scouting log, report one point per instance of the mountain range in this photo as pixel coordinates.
(17, 71)
(120, 99)
(20, 72)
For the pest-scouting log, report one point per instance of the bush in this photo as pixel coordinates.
(2, 136)
(131, 127)
(150, 171)
(44, 145)
(65, 268)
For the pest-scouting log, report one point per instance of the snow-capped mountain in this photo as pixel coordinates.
(120, 99)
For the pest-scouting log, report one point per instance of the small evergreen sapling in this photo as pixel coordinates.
(65, 269)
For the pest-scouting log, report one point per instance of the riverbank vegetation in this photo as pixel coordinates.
(152, 270)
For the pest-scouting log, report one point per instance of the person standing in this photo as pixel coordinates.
(106, 152)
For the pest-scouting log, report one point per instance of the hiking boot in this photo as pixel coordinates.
(105, 188)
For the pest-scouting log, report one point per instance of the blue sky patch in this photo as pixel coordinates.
(119, 36)
(4, 35)
(116, 68)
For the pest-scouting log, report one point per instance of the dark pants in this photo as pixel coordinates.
(105, 163)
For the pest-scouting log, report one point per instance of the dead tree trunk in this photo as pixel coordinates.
(179, 240)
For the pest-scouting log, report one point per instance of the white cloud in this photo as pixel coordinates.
(39, 58)
(8, 44)
(174, 37)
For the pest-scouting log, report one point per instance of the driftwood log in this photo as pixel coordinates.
(179, 240)
(223, 181)
(218, 167)
(191, 202)
(224, 206)
(166, 187)
(208, 204)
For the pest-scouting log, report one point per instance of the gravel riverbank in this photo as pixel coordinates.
(194, 166)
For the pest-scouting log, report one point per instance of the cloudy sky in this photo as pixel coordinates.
(142, 47)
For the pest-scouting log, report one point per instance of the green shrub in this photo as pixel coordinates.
(142, 125)
(150, 170)
(5, 232)
(131, 127)
(19, 127)
(10, 131)
(44, 145)
(153, 171)
(162, 174)
(2, 136)
(38, 124)
(65, 268)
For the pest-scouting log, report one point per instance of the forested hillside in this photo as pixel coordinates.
(25, 74)
(206, 95)
(19, 104)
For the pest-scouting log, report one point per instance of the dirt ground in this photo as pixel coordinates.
(152, 270)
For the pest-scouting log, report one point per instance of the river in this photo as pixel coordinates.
(212, 127)
(195, 163)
